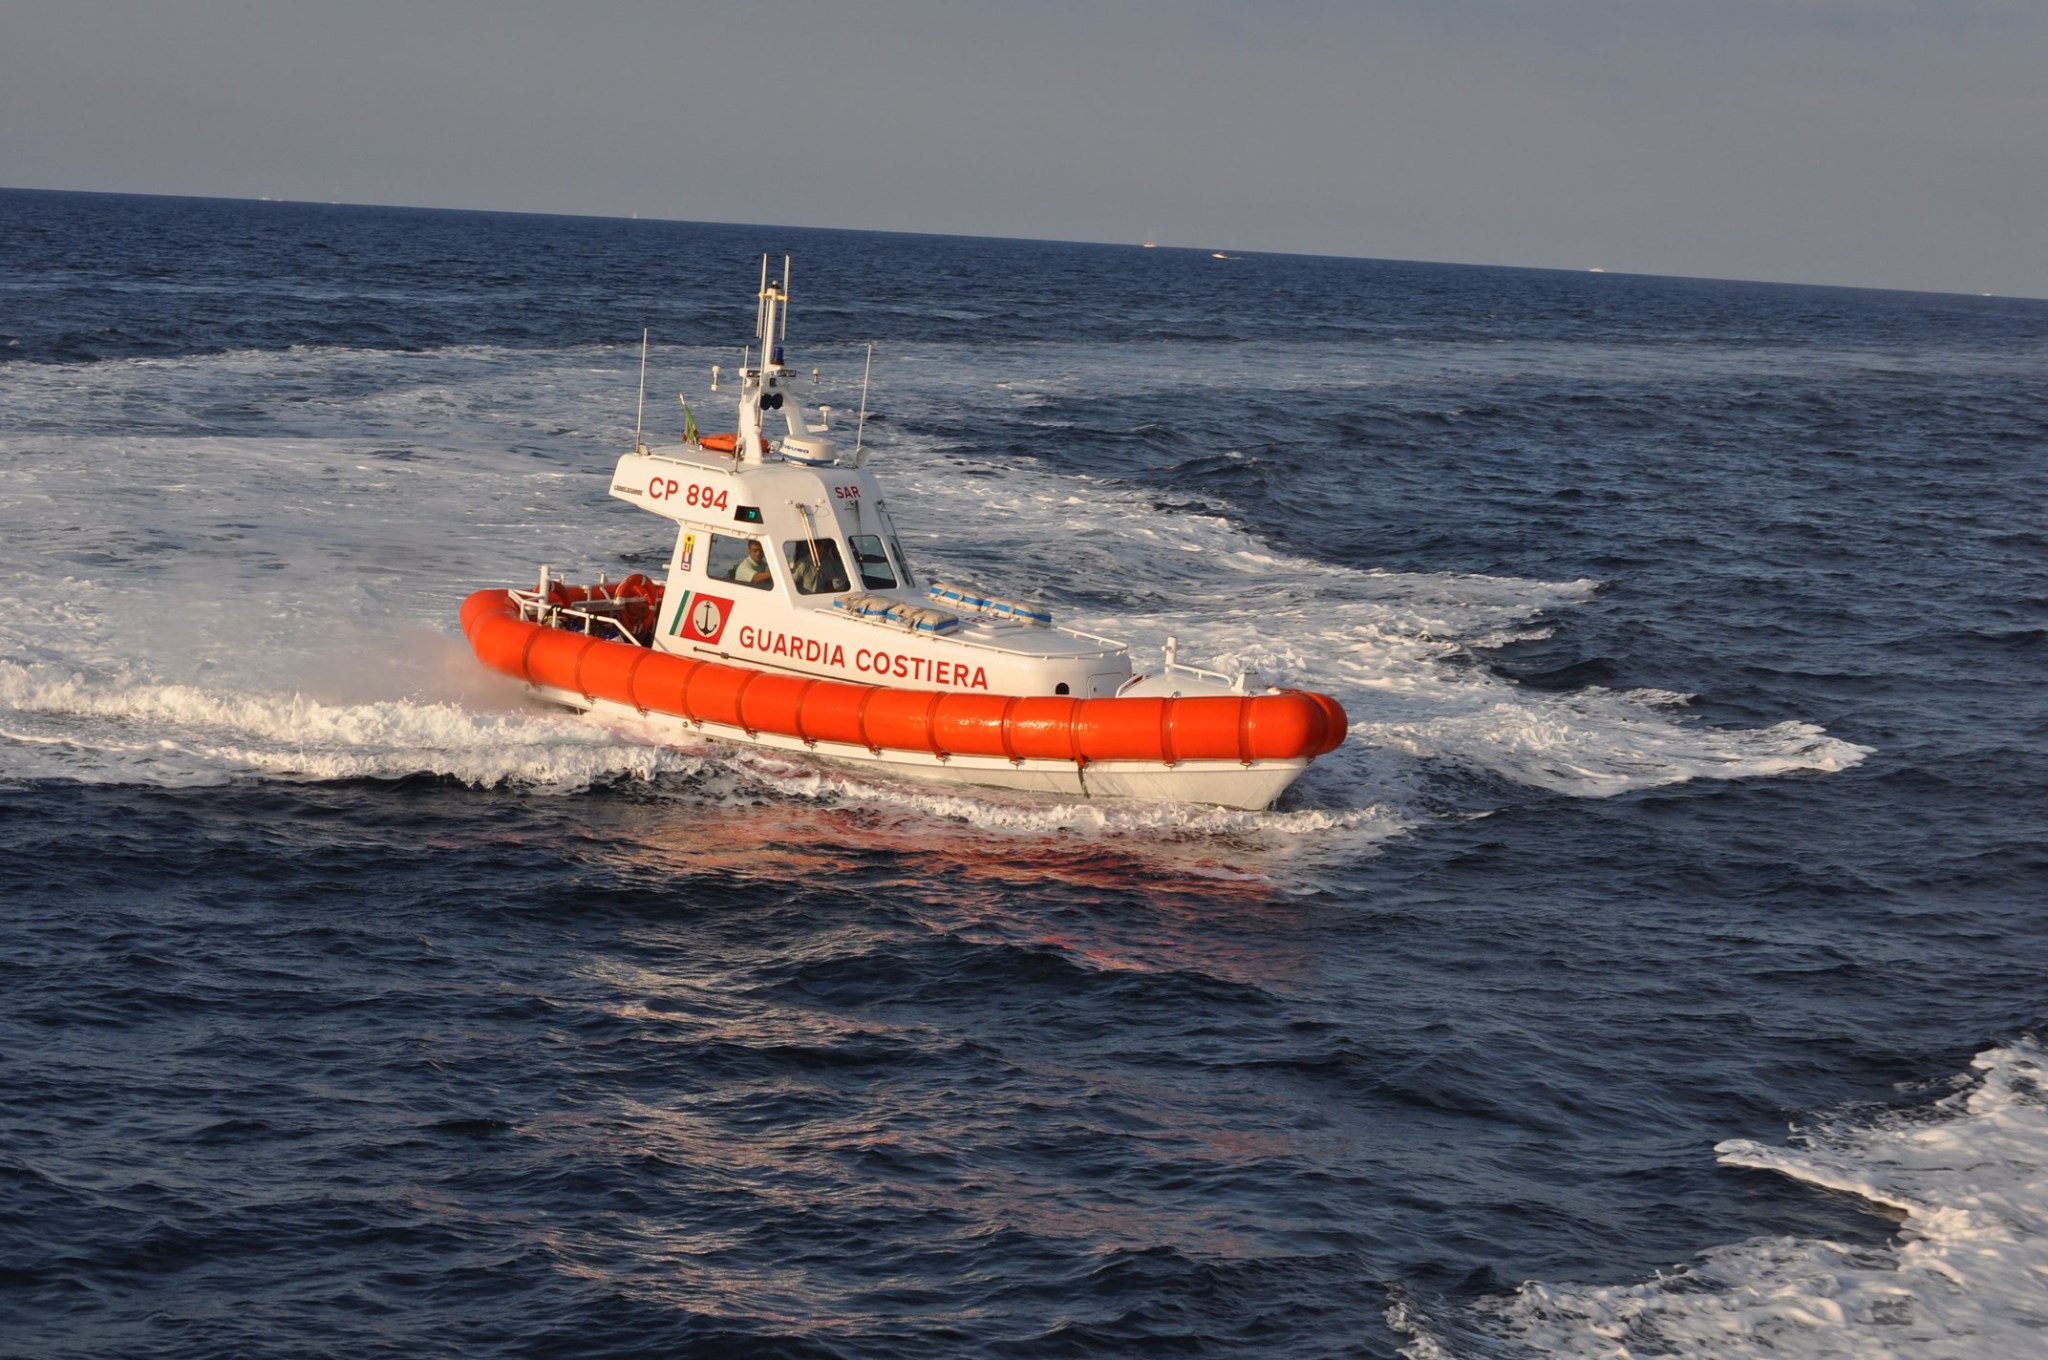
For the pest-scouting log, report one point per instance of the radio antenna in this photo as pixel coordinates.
(859, 456)
(641, 414)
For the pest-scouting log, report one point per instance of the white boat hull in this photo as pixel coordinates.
(1222, 783)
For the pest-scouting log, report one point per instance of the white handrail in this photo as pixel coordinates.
(1235, 681)
(535, 608)
(1090, 637)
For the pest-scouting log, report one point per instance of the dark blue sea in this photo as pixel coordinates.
(1660, 969)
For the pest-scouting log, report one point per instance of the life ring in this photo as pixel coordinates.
(720, 443)
(639, 602)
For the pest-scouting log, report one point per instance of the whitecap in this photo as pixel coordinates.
(1968, 1180)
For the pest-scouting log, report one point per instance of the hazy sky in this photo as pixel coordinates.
(1891, 143)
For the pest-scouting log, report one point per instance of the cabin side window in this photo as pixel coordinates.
(741, 560)
(873, 562)
(815, 565)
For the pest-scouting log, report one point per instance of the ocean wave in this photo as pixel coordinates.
(1967, 1178)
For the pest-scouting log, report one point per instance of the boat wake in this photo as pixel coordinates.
(232, 607)
(1402, 651)
(60, 724)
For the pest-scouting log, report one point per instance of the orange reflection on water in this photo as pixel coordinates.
(784, 1205)
(794, 1122)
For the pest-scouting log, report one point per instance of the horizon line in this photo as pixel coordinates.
(1149, 243)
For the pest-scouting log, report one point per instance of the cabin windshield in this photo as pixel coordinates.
(874, 563)
(743, 560)
(895, 548)
(815, 565)
(902, 562)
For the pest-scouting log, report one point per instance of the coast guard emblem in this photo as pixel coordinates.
(701, 618)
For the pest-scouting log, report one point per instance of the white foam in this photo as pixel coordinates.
(65, 724)
(1967, 1275)
(1396, 649)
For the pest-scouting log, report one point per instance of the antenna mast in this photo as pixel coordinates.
(860, 425)
(641, 414)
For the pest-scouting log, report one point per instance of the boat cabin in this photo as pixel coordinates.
(786, 558)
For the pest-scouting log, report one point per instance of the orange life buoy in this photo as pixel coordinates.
(639, 602)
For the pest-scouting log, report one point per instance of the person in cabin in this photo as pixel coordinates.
(815, 566)
(753, 568)
(806, 574)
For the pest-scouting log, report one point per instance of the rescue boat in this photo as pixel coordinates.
(790, 619)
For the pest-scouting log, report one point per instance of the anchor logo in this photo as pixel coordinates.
(701, 618)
